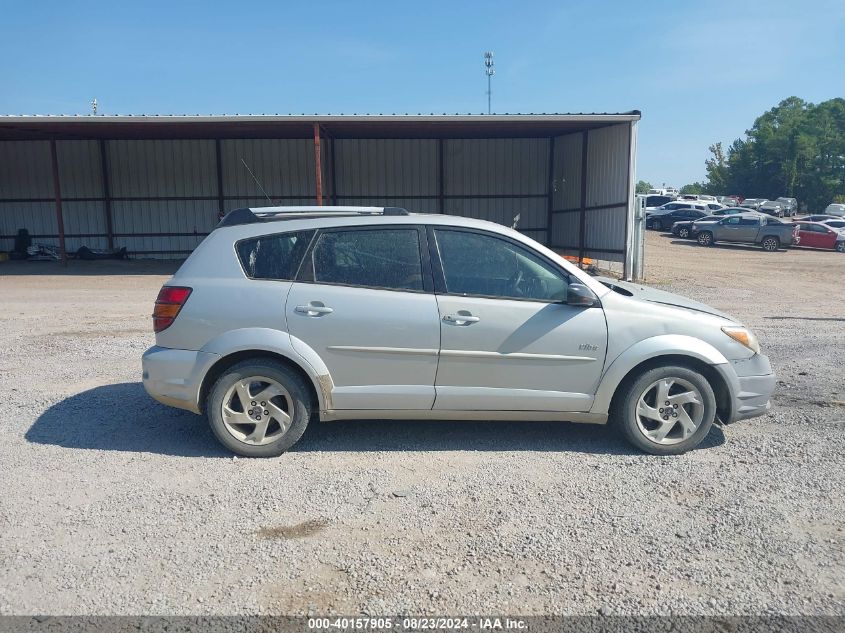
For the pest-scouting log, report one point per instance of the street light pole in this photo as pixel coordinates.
(489, 70)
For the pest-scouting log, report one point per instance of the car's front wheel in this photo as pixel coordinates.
(705, 238)
(259, 408)
(666, 410)
(840, 246)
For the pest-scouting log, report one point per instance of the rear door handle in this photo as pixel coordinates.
(461, 319)
(313, 310)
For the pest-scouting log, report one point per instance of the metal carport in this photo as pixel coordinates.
(156, 184)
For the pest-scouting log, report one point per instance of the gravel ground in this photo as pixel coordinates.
(113, 504)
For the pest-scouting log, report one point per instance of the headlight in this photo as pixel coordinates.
(743, 335)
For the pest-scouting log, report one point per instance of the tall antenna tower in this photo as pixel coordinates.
(489, 70)
(94, 105)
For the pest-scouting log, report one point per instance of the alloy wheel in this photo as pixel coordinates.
(683, 232)
(257, 410)
(669, 411)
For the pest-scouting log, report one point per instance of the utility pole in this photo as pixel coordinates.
(489, 70)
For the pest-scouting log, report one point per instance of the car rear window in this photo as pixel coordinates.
(273, 256)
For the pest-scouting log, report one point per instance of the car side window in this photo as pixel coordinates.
(482, 265)
(748, 221)
(733, 221)
(382, 258)
(274, 257)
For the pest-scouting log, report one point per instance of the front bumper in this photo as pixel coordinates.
(751, 382)
(174, 376)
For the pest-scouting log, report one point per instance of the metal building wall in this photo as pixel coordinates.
(26, 188)
(163, 192)
(592, 175)
(498, 179)
(161, 197)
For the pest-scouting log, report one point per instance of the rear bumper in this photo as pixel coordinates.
(751, 383)
(174, 376)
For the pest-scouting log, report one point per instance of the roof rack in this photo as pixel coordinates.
(272, 214)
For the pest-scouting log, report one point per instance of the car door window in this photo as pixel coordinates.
(747, 221)
(383, 258)
(731, 221)
(475, 264)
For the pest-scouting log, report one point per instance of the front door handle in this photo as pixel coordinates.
(460, 319)
(313, 309)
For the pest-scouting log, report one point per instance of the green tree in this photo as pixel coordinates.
(717, 170)
(796, 149)
(695, 187)
(643, 186)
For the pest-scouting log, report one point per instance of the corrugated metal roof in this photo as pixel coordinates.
(189, 126)
(329, 115)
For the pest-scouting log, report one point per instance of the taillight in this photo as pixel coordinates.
(168, 303)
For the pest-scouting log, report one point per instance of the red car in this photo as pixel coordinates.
(820, 235)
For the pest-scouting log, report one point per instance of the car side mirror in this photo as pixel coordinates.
(581, 296)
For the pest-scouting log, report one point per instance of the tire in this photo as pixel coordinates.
(705, 238)
(683, 233)
(840, 246)
(770, 243)
(657, 225)
(680, 434)
(287, 395)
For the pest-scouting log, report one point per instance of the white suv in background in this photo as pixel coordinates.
(287, 315)
(835, 209)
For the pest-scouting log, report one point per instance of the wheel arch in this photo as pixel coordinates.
(680, 350)
(260, 343)
(717, 381)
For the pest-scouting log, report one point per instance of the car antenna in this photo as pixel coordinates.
(516, 220)
(256, 181)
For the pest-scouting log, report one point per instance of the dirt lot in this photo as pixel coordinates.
(114, 504)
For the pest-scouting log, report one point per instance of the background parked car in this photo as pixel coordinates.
(652, 201)
(835, 209)
(770, 207)
(835, 224)
(753, 203)
(750, 228)
(819, 217)
(818, 235)
(728, 211)
(790, 205)
(731, 201)
(664, 217)
(684, 228)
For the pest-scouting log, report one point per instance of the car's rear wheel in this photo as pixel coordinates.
(259, 408)
(657, 225)
(683, 232)
(705, 238)
(771, 243)
(666, 410)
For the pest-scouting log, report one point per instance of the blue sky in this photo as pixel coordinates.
(700, 71)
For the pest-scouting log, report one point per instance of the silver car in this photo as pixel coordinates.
(284, 316)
